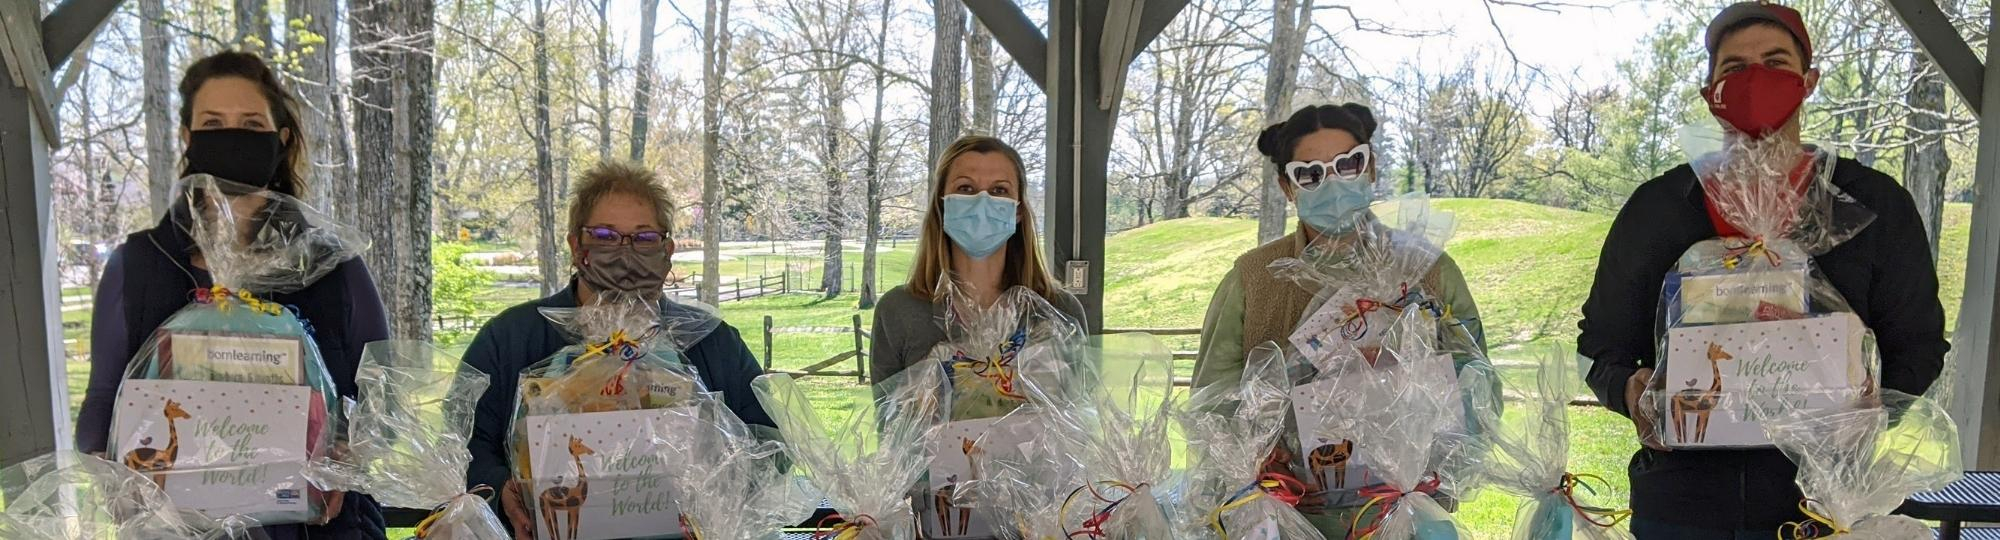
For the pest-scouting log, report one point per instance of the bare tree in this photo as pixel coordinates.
(1926, 166)
(1289, 22)
(947, 75)
(311, 50)
(253, 27)
(604, 69)
(985, 89)
(642, 95)
(872, 234)
(410, 315)
(545, 175)
(715, 39)
(161, 143)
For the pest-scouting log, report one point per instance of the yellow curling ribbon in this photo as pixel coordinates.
(219, 295)
(424, 527)
(617, 338)
(1255, 491)
(1590, 514)
(1805, 530)
(1756, 248)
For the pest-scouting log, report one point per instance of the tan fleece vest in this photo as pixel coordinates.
(1273, 307)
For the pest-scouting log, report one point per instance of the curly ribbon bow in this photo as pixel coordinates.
(1277, 487)
(1591, 514)
(1756, 248)
(219, 296)
(847, 529)
(1387, 497)
(482, 491)
(999, 368)
(1355, 325)
(688, 529)
(1812, 525)
(626, 349)
(1094, 526)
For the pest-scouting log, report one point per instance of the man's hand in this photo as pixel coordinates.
(516, 507)
(1642, 416)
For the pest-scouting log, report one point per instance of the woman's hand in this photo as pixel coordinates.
(516, 507)
(334, 500)
(1643, 417)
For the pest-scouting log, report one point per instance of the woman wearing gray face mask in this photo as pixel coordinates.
(621, 241)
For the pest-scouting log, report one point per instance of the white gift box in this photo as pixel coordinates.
(954, 456)
(1715, 373)
(227, 448)
(1736, 297)
(598, 476)
(1331, 448)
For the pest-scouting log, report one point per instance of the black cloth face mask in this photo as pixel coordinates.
(244, 156)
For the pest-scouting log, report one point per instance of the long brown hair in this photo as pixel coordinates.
(284, 107)
(1024, 257)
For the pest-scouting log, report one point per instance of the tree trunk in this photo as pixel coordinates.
(834, 214)
(871, 236)
(603, 82)
(642, 96)
(410, 317)
(315, 89)
(1288, 29)
(715, 64)
(545, 180)
(1926, 167)
(162, 144)
(985, 80)
(253, 27)
(947, 76)
(372, 23)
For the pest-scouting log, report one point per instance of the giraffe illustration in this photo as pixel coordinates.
(158, 461)
(973, 453)
(567, 499)
(943, 504)
(1699, 403)
(1334, 456)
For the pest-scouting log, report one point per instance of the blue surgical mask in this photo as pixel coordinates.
(980, 224)
(1333, 204)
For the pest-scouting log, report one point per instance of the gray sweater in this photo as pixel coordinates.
(907, 328)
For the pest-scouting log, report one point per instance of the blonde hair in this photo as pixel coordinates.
(613, 176)
(1024, 257)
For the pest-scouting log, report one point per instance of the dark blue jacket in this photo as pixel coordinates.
(151, 276)
(520, 336)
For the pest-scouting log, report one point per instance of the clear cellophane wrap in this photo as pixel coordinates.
(989, 350)
(407, 440)
(1531, 460)
(233, 361)
(1858, 465)
(1095, 450)
(76, 496)
(865, 459)
(730, 483)
(1230, 430)
(1750, 313)
(623, 375)
(1376, 306)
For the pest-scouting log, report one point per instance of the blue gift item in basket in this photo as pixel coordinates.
(1532, 459)
(229, 399)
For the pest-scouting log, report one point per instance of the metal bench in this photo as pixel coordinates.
(1974, 499)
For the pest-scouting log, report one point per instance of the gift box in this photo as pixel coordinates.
(1329, 445)
(1737, 297)
(598, 476)
(221, 448)
(957, 456)
(1714, 375)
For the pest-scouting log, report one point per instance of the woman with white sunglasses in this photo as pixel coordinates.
(1328, 171)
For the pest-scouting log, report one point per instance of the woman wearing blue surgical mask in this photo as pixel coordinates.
(977, 228)
(1328, 172)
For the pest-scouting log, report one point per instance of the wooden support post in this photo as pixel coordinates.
(860, 355)
(767, 343)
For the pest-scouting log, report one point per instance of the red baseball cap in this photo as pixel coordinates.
(1760, 11)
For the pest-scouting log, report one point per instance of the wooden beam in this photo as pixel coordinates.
(1157, 15)
(1976, 406)
(27, 65)
(32, 385)
(1942, 42)
(1017, 35)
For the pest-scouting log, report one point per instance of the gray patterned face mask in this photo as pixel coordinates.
(623, 268)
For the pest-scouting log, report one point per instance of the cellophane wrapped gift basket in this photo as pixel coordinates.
(865, 458)
(1747, 313)
(408, 435)
(1531, 460)
(229, 399)
(583, 444)
(1856, 465)
(1379, 336)
(1095, 450)
(71, 495)
(730, 484)
(990, 351)
(1230, 430)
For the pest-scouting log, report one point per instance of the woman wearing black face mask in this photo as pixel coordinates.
(238, 124)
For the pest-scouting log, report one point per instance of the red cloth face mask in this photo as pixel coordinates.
(1756, 100)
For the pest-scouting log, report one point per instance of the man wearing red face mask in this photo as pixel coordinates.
(1760, 72)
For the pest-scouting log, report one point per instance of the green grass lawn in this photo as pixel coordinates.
(1529, 267)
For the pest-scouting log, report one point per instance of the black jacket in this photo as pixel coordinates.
(1885, 273)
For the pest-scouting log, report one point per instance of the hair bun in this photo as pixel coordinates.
(1366, 116)
(1269, 141)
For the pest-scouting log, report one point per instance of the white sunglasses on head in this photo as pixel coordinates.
(1351, 165)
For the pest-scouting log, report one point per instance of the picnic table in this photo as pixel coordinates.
(1975, 499)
